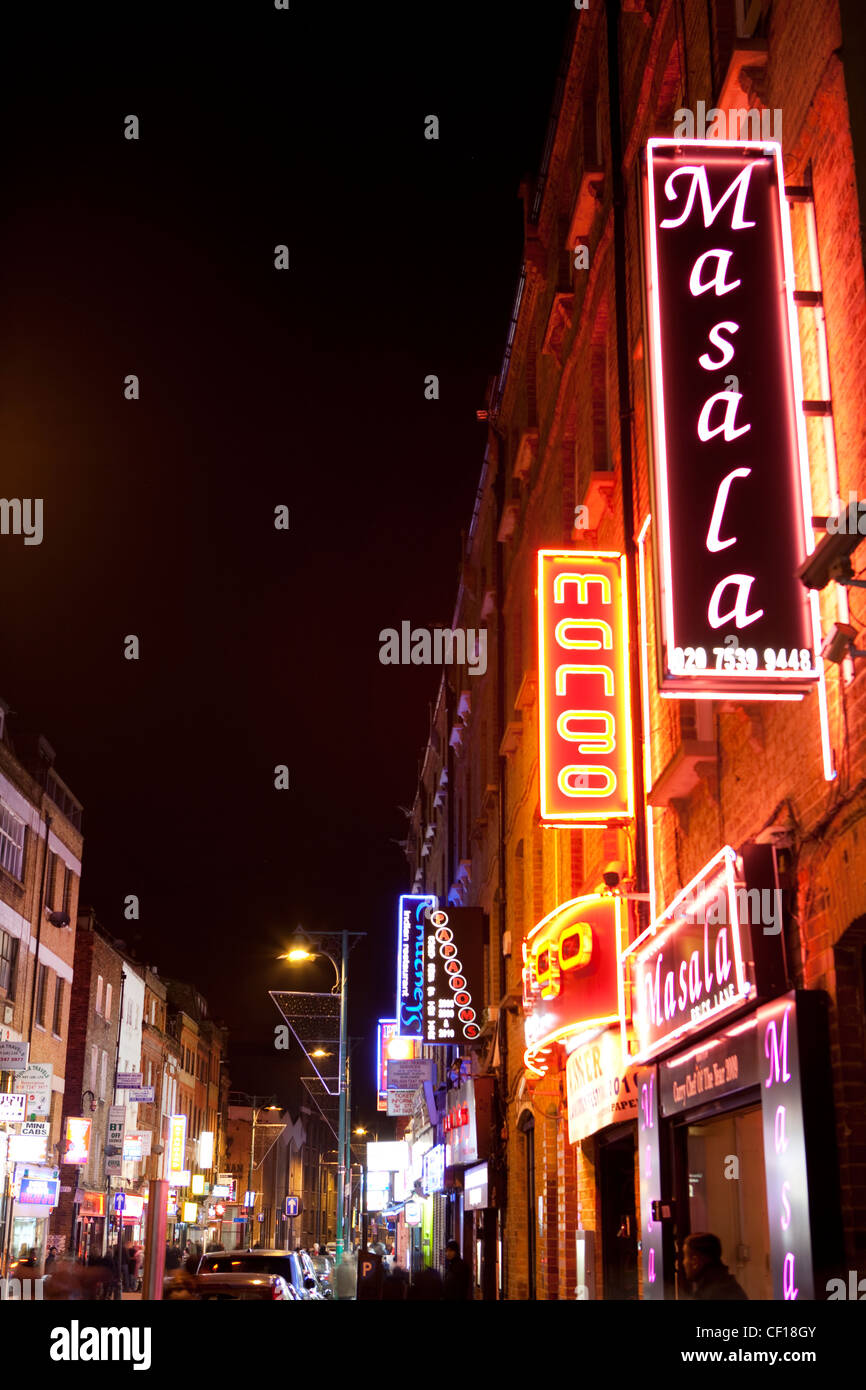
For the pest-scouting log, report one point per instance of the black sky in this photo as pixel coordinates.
(258, 388)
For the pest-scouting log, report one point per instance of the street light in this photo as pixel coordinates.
(297, 955)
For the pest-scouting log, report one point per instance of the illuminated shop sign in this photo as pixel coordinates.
(585, 742)
(709, 953)
(599, 1087)
(572, 981)
(475, 1188)
(466, 1122)
(177, 1144)
(38, 1192)
(800, 1160)
(649, 1177)
(731, 485)
(454, 974)
(77, 1139)
(433, 1170)
(386, 1029)
(410, 963)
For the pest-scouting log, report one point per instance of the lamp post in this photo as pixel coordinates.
(303, 953)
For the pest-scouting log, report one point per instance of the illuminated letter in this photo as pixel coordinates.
(593, 644)
(778, 1060)
(733, 399)
(670, 1002)
(738, 612)
(789, 1291)
(726, 349)
(582, 773)
(583, 582)
(694, 977)
(604, 742)
(713, 541)
(780, 1138)
(700, 181)
(718, 283)
(563, 672)
(723, 964)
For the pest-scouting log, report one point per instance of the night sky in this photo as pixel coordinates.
(259, 388)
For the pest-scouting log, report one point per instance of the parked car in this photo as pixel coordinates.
(245, 1285)
(323, 1269)
(287, 1263)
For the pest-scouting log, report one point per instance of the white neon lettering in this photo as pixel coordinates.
(699, 180)
(726, 348)
(718, 284)
(588, 743)
(713, 540)
(589, 643)
(744, 583)
(776, 1051)
(583, 582)
(732, 400)
(582, 774)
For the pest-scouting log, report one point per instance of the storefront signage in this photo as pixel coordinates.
(730, 448)
(141, 1093)
(128, 1080)
(400, 1102)
(649, 1171)
(177, 1144)
(572, 980)
(205, 1149)
(412, 1213)
(12, 1107)
(35, 1081)
(475, 1188)
(13, 1056)
(703, 959)
(36, 1129)
(714, 1068)
(388, 1156)
(433, 1170)
(92, 1204)
(466, 1122)
(386, 1029)
(454, 980)
(39, 1192)
(410, 962)
(408, 1075)
(599, 1087)
(585, 740)
(116, 1126)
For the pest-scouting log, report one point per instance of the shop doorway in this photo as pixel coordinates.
(727, 1194)
(528, 1129)
(619, 1251)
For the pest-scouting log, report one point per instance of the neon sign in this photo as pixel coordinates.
(410, 963)
(572, 980)
(177, 1143)
(700, 961)
(585, 744)
(731, 477)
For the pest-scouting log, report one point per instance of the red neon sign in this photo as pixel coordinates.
(731, 470)
(572, 979)
(585, 746)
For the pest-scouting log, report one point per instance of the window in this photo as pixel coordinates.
(97, 1008)
(94, 1064)
(103, 1074)
(108, 1003)
(67, 889)
(58, 1008)
(8, 963)
(148, 1074)
(11, 842)
(41, 991)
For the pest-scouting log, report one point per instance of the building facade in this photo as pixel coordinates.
(617, 1021)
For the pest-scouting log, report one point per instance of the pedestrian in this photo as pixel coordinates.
(396, 1283)
(427, 1284)
(183, 1283)
(709, 1280)
(345, 1277)
(458, 1275)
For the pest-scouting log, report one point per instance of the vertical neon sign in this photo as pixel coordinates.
(649, 1158)
(731, 480)
(785, 1151)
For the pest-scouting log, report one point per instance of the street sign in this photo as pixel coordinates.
(407, 1074)
(294, 1206)
(119, 1201)
(113, 1166)
(128, 1080)
(36, 1129)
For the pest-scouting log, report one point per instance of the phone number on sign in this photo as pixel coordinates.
(736, 659)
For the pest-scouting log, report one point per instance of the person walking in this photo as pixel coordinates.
(458, 1275)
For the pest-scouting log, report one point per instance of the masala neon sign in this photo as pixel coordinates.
(585, 746)
(731, 469)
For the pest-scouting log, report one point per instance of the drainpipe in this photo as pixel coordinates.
(625, 423)
(48, 823)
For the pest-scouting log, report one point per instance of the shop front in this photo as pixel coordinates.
(91, 1223)
(466, 1128)
(735, 1112)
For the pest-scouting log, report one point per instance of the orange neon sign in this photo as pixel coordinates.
(585, 754)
